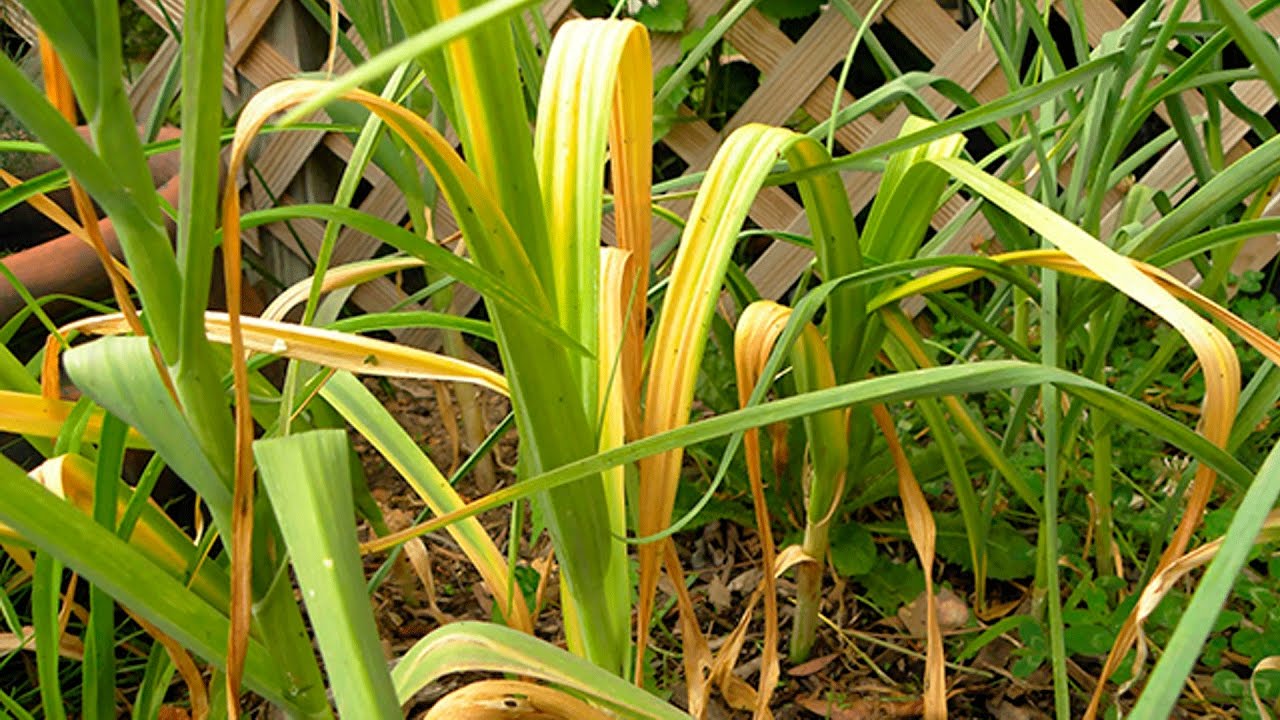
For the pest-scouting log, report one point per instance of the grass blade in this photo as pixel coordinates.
(367, 415)
(99, 670)
(46, 588)
(106, 561)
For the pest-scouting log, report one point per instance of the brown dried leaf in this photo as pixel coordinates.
(952, 610)
(736, 692)
(416, 551)
(924, 537)
(697, 655)
(805, 669)
(1267, 663)
(69, 646)
(718, 593)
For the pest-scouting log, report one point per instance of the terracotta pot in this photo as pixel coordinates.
(66, 264)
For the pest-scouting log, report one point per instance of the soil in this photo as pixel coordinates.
(862, 667)
(409, 605)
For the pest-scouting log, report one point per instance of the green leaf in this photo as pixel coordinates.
(203, 47)
(1088, 639)
(666, 16)
(46, 591)
(1010, 556)
(120, 375)
(156, 678)
(99, 666)
(306, 477)
(1257, 44)
(853, 551)
(891, 585)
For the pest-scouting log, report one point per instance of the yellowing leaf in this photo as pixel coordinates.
(754, 338)
(342, 351)
(501, 699)
(731, 183)
(31, 414)
(338, 277)
(924, 537)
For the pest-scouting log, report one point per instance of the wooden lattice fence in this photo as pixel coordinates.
(264, 46)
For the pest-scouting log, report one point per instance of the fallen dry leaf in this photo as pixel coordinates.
(746, 581)
(718, 593)
(953, 613)
(812, 666)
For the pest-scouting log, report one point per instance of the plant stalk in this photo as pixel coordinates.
(804, 627)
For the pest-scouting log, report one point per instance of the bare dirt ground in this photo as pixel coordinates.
(863, 666)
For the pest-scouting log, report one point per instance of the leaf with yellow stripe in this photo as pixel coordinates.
(615, 409)
(338, 350)
(36, 415)
(470, 647)
(343, 276)
(731, 183)
(1063, 262)
(582, 75)
(596, 95)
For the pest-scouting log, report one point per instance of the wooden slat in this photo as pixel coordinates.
(764, 45)
(146, 89)
(164, 11)
(17, 17)
(930, 28)
(797, 74)
(245, 19)
(385, 201)
(968, 62)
